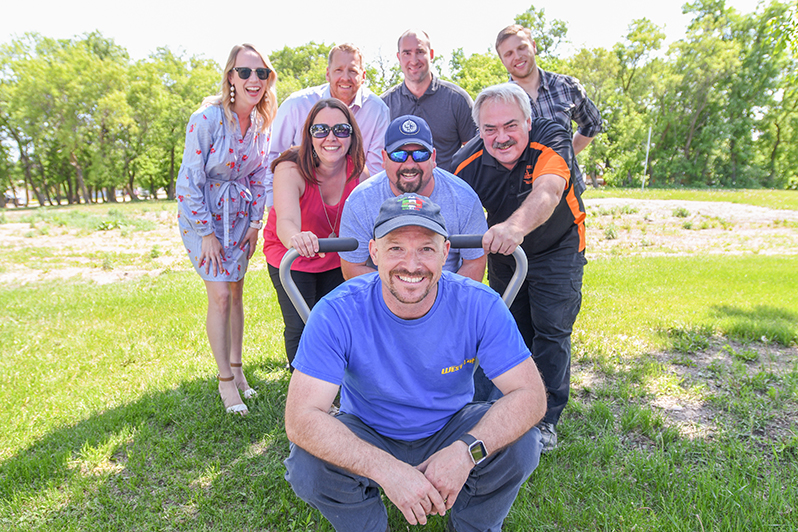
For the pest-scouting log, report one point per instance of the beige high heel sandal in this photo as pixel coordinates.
(236, 407)
(249, 392)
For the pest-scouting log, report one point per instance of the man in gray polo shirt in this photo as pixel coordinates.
(409, 161)
(445, 106)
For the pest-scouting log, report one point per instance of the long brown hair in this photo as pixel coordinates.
(266, 108)
(304, 156)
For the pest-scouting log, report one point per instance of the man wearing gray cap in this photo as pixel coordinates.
(409, 160)
(401, 344)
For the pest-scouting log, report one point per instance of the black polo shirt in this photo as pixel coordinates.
(502, 191)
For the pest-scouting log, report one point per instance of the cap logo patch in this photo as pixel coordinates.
(412, 204)
(409, 127)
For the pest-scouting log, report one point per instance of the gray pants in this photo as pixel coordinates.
(352, 503)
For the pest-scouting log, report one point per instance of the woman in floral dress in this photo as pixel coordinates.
(221, 197)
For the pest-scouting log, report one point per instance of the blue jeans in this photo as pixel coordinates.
(352, 503)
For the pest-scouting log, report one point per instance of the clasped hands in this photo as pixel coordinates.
(431, 487)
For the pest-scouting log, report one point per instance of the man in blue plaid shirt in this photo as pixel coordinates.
(554, 96)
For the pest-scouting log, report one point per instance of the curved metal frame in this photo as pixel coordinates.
(326, 245)
(331, 245)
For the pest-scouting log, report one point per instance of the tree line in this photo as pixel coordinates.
(80, 121)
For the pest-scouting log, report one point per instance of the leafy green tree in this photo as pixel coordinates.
(774, 55)
(165, 90)
(691, 106)
(548, 36)
(477, 71)
(383, 74)
(300, 67)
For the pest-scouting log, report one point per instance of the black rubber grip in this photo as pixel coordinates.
(466, 241)
(332, 245)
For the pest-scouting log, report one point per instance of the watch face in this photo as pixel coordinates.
(477, 450)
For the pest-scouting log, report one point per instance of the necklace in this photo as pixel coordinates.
(337, 213)
(324, 206)
(338, 210)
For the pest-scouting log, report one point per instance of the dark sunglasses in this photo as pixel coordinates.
(245, 72)
(320, 131)
(400, 156)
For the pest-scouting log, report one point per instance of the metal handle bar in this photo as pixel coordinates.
(331, 245)
(521, 264)
(326, 245)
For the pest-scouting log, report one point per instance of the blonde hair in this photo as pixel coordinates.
(266, 108)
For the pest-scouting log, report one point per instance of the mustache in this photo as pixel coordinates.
(504, 145)
(407, 273)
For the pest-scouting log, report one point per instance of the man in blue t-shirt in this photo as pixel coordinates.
(401, 344)
(409, 159)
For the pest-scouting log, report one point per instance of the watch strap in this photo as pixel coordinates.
(468, 439)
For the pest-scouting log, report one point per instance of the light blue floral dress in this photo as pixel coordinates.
(220, 187)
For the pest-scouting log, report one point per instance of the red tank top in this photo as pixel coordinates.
(312, 209)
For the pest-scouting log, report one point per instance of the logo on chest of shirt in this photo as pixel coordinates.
(452, 369)
(528, 174)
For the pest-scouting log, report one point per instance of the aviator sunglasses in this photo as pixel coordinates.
(245, 72)
(320, 131)
(419, 156)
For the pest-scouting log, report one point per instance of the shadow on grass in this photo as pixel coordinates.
(172, 460)
(762, 321)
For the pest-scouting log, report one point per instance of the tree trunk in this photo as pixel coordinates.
(44, 188)
(170, 190)
(774, 153)
(70, 192)
(81, 183)
(130, 189)
(693, 126)
(111, 193)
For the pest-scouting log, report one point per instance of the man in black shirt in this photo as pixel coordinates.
(522, 170)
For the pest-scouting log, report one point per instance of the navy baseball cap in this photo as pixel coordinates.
(407, 129)
(409, 209)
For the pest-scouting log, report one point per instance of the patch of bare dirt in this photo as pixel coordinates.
(687, 409)
(658, 227)
(641, 227)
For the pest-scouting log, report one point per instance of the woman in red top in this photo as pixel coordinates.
(311, 184)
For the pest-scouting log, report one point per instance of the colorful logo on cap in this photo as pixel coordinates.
(409, 127)
(412, 204)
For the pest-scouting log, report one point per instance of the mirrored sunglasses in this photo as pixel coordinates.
(400, 156)
(320, 131)
(245, 72)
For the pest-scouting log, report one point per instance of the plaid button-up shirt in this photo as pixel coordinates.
(563, 99)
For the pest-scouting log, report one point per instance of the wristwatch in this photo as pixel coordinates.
(476, 448)
(256, 225)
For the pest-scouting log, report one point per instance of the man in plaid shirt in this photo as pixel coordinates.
(554, 96)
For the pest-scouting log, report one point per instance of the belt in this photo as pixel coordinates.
(224, 192)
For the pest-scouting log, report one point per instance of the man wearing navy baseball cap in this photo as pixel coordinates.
(401, 344)
(409, 162)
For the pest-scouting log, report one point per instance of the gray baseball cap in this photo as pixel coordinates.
(409, 209)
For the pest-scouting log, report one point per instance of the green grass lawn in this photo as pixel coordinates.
(111, 419)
